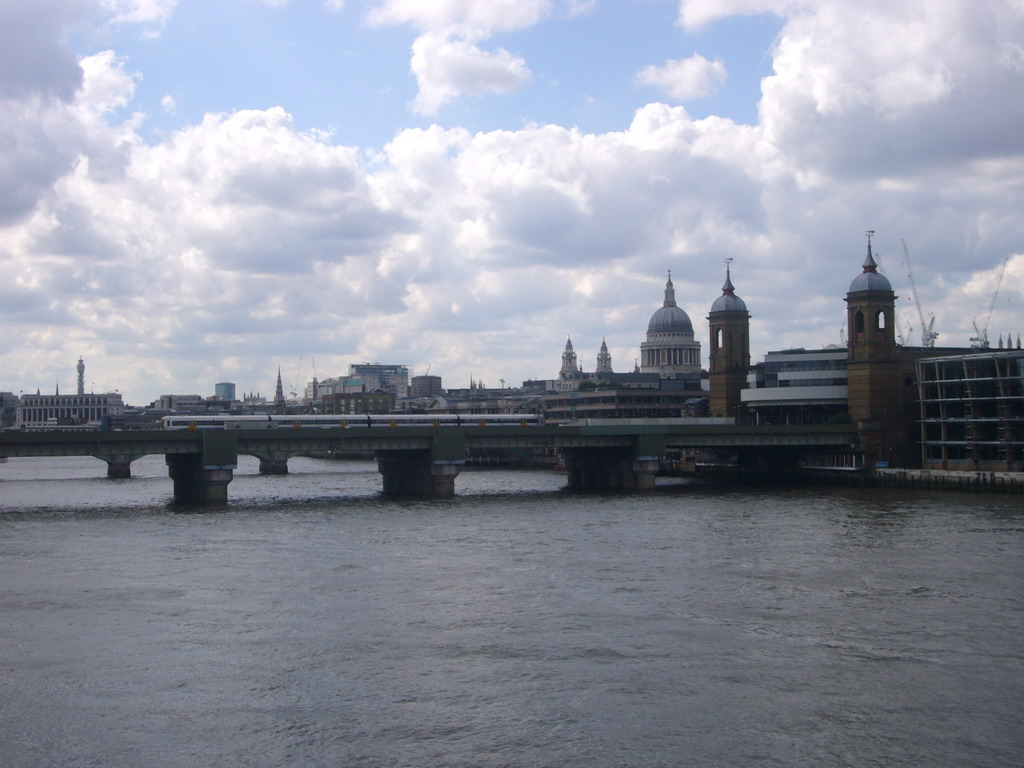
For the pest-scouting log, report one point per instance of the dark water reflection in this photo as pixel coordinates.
(315, 623)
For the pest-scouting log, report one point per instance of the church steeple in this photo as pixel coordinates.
(279, 392)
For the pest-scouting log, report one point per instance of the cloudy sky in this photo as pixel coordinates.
(194, 191)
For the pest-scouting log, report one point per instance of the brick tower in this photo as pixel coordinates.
(729, 362)
(875, 398)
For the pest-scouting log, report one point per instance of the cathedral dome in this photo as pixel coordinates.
(670, 317)
(870, 279)
(670, 350)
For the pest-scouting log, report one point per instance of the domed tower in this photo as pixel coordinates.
(875, 397)
(871, 311)
(670, 348)
(729, 322)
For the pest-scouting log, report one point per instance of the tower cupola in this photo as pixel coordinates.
(728, 301)
(870, 279)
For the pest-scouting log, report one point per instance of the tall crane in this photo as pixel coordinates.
(980, 339)
(928, 335)
(903, 337)
(298, 375)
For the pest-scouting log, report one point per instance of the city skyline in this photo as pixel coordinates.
(463, 185)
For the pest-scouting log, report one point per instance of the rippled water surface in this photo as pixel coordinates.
(314, 623)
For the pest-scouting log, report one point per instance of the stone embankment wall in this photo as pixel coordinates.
(998, 482)
(984, 482)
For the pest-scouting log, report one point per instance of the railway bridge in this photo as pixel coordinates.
(424, 460)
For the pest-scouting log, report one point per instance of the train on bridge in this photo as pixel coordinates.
(224, 421)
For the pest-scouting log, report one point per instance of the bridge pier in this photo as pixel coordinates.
(416, 473)
(119, 465)
(198, 483)
(597, 469)
(202, 478)
(273, 463)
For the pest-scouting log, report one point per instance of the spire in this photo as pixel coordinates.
(81, 375)
(279, 392)
(670, 292)
(870, 265)
(728, 289)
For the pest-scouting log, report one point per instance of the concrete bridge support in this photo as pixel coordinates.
(202, 478)
(273, 463)
(119, 465)
(416, 473)
(600, 469)
(198, 483)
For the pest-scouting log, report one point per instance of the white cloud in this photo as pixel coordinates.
(447, 68)
(843, 101)
(140, 11)
(694, 14)
(446, 58)
(685, 79)
(33, 61)
(42, 140)
(478, 16)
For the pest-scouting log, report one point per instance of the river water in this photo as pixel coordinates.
(314, 623)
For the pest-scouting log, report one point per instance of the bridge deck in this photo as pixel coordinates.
(365, 439)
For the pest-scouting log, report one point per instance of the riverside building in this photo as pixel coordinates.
(68, 410)
(972, 411)
(77, 410)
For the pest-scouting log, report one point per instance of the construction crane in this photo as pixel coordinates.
(928, 335)
(980, 339)
(298, 375)
(903, 337)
